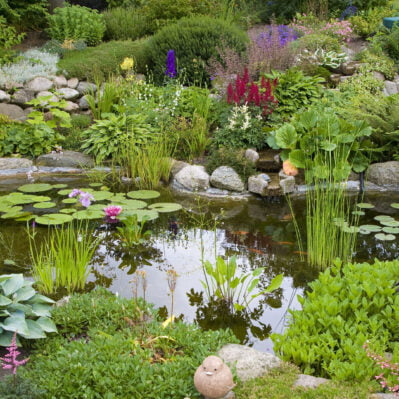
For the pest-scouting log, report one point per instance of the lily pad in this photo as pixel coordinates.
(60, 185)
(385, 237)
(69, 201)
(88, 214)
(65, 191)
(358, 213)
(15, 215)
(350, 229)
(131, 204)
(35, 187)
(391, 230)
(390, 223)
(164, 207)
(102, 195)
(365, 205)
(141, 213)
(395, 205)
(44, 205)
(384, 217)
(95, 185)
(372, 228)
(53, 219)
(68, 210)
(19, 198)
(143, 194)
(25, 218)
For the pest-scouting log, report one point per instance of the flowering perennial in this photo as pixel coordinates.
(171, 64)
(112, 211)
(250, 93)
(84, 197)
(9, 360)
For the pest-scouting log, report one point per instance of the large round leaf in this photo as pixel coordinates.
(143, 194)
(385, 237)
(88, 214)
(35, 187)
(53, 219)
(141, 214)
(44, 205)
(365, 205)
(164, 207)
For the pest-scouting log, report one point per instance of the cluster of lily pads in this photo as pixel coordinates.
(28, 203)
(386, 230)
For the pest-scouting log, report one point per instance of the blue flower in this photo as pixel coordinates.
(171, 64)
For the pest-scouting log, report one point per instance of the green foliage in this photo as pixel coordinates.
(388, 41)
(103, 60)
(295, 91)
(8, 39)
(115, 134)
(361, 83)
(195, 41)
(347, 305)
(22, 310)
(132, 232)
(29, 140)
(19, 388)
(134, 355)
(316, 41)
(61, 48)
(125, 23)
(76, 23)
(222, 282)
(80, 121)
(233, 158)
(367, 22)
(26, 14)
(379, 63)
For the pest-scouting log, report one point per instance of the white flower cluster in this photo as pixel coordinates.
(240, 118)
(31, 64)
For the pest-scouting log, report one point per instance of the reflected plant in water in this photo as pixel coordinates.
(142, 275)
(132, 232)
(231, 287)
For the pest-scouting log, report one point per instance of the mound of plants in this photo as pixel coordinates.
(346, 306)
(116, 348)
(194, 41)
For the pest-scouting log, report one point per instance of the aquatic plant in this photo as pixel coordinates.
(172, 276)
(132, 232)
(227, 284)
(112, 211)
(22, 310)
(84, 197)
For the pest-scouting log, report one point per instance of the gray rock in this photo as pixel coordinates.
(83, 104)
(66, 159)
(385, 173)
(71, 107)
(86, 87)
(40, 84)
(343, 78)
(383, 396)
(193, 177)
(45, 93)
(177, 166)
(28, 110)
(288, 184)
(68, 93)
(391, 87)
(379, 76)
(22, 96)
(350, 68)
(4, 97)
(73, 83)
(60, 81)
(252, 155)
(258, 185)
(15, 163)
(12, 111)
(248, 362)
(308, 381)
(12, 85)
(335, 78)
(226, 178)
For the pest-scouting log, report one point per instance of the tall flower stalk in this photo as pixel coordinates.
(171, 64)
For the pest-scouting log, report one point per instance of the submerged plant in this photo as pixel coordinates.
(234, 288)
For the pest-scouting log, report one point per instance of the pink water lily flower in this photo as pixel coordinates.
(112, 211)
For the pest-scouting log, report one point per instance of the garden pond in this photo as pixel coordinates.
(260, 232)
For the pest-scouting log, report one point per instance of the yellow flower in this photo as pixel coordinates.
(127, 64)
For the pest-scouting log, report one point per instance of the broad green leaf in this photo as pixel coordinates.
(4, 301)
(238, 307)
(12, 284)
(15, 323)
(41, 309)
(275, 283)
(23, 294)
(35, 331)
(286, 136)
(297, 158)
(252, 285)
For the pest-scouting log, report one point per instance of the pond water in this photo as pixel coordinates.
(259, 232)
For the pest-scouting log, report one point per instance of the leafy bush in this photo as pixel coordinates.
(388, 40)
(103, 60)
(125, 23)
(346, 306)
(26, 14)
(116, 135)
(295, 91)
(233, 158)
(22, 310)
(117, 339)
(76, 23)
(32, 63)
(56, 47)
(195, 41)
(362, 82)
(368, 22)
(313, 42)
(19, 388)
(8, 39)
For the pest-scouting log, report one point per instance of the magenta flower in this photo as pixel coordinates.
(112, 211)
(85, 199)
(9, 360)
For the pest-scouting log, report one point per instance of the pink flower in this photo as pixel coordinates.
(112, 211)
(10, 361)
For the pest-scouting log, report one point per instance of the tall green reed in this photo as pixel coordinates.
(63, 259)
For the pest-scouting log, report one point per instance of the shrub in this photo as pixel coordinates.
(19, 388)
(388, 40)
(125, 23)
(346, 306)
(109, 349)
(56, 47)
(367, 22)
(31, 64)
(26, 14)
(314, 42)
(233, 158)
(362, 82)
(76, 23)
(103, 60)
(378, 62)
(8, 39)
(194, 41)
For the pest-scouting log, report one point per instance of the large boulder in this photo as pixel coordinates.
(68, 93)
(258, 184)
(73, 83)
(86, 88)
(385, 173)
(193, 177)
(248, 362)
(40, 84)
(15, 163)
(288, 184)
(22, 96)
(83, 104)
(66, 159)
(4, 97)
(60, 81)
(226, 178)
(308, 381)
(12, 111)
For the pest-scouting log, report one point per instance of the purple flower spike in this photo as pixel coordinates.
(171, 64)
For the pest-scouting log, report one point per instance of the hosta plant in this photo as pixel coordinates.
(22, 310)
